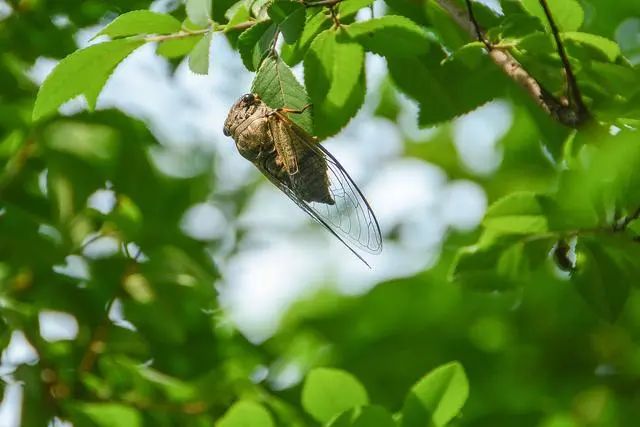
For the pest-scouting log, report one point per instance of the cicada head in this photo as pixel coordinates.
(243, 109)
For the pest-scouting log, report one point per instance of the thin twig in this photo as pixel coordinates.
(328, 3)
(476, 27)
(334, 16)
(575, 97)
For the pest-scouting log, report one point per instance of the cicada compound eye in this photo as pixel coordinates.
(248, 98)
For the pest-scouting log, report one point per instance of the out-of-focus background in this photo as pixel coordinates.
(281, 295)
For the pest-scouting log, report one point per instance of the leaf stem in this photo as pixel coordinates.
(179, 35)
(190, 33)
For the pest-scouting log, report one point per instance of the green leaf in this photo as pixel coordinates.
(259, 9)
(199, 11)
(94, 143)
(488, 268)
(449, 34)
(278, 87)
(199, 56)
(328, 392)
(316, 22)
(606, 46)
(255, 42)
(84, 72)
(517, 213)
(447, 87)
(141, 22)
(390, 36)
(290, 16)
(365, 416)
(237, 14)
(388, 105)
(111, 414)
(437, 398)
(567, 14)
(246, 413)
(514, 27)
(334, 77)
(348, 8)
(605, 270)
(175, 48)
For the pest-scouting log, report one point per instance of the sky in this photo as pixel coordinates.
(186, 112)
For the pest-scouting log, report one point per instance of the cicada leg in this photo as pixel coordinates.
(294, 111)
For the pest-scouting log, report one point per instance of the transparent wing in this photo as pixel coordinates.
(349, 217)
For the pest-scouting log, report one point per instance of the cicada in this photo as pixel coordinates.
(304, 170)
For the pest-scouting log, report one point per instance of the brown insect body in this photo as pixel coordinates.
(304, 170)
(263, 136)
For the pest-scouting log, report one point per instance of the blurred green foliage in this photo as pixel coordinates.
(537, 306)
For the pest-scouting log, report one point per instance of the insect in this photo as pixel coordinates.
(304, 170)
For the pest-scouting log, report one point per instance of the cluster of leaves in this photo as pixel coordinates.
(440, 68)
(51, 167)
(335, 398)
(591, 233)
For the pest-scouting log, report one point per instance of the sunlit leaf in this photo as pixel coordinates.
(606, 46)
(567, 14)
(111, 415)
(334, 78)
(517, 213)
(84, 72)
(246, 414)
(175, 48)
(348, 8)
(437, 398)
(365, 416)
(328, 392)
(199, 11)
(199, 56)
(141, 22)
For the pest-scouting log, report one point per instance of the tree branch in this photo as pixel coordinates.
(512, 68)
